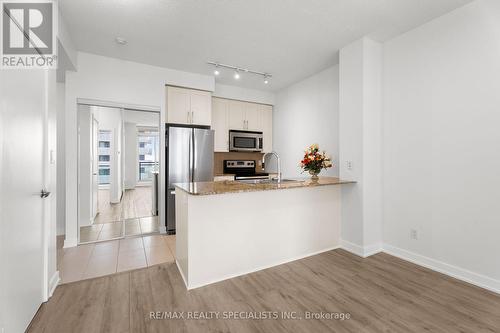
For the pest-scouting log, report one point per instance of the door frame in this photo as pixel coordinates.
(95, 163)
(161, 161)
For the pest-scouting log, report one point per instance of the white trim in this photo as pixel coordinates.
(370, 250)
(53, 283)
(280, 262)
(70, 242)
(96, 102)
(444, 268)
(361, 251)
(163, 229)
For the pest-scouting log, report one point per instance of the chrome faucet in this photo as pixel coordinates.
(277, 159)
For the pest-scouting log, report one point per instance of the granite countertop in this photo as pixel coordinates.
(210, 188)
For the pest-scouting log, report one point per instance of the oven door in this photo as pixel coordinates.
(245, 141)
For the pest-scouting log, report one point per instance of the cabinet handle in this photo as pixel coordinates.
(192, 116)
(188, 115)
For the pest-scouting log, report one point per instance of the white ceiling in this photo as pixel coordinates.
(291, 39)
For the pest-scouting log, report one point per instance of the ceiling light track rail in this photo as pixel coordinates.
(239, 69)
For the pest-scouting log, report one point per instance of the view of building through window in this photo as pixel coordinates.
(148, 143)
(104, 156)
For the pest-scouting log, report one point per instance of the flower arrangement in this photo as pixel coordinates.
(314, 161)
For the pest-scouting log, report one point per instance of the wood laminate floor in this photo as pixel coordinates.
(135, 203)
(381, 293)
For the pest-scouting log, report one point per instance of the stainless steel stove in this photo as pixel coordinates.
(243, 169)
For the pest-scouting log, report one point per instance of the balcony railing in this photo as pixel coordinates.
(145, 170)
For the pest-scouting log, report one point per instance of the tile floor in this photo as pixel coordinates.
(92, 260)
(129, 227)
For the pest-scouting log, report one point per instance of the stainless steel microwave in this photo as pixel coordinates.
(245, 141)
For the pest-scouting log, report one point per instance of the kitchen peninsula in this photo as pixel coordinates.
(230, 228)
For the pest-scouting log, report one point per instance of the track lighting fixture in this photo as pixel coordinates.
(238, 70)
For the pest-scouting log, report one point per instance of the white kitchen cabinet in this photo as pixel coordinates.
(189, 106)
(244, 116)
(220, 124)
(267, 127)
(253, 116)
(236, 115)
(201, 107)
(178, 105)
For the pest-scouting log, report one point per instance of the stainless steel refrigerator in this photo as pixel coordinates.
(190, 158)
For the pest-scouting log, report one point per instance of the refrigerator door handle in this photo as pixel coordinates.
(193, 155)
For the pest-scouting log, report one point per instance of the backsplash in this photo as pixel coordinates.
(220, 157)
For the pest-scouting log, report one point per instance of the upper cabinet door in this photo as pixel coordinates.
(267, 127)
(236, 113)
(178, 105)
(253, 117)
(201, 107)
(220, 124)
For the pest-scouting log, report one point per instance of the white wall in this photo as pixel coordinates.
(306, 113)
(84, 164)
(360, 145)
(441, 139)
(61, 160)
(130, 155)
(244, 94)
(141, 118)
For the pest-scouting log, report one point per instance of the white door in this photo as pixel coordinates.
(23, 121)
(95, 167)
(201, 107)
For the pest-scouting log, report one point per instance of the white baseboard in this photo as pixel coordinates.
(70, 242)
(361, 251)
(53, 283)
(447, 269)
(163, 229)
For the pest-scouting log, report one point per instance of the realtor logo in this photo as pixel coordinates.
(28, 34)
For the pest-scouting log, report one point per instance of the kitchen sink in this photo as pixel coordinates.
(268, 181)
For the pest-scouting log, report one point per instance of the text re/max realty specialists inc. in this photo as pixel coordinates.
(247, 315)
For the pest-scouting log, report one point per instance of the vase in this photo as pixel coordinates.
(314, 174)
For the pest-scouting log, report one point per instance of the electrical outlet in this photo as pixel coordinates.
(413, 234)
(349, 165)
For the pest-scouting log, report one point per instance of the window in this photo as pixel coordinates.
(148, 142)
(104, 172)
(104, 153)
